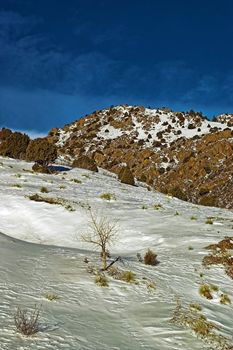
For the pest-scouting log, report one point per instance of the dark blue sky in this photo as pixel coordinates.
(61, 59)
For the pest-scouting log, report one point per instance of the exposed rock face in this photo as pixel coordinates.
(85, 162)
(180, 153)
(125, 176)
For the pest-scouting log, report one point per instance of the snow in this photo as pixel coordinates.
(109, 132)
(41, 251)
(63, 137)
(155, 127)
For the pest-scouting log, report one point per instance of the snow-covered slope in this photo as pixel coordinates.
(43, 252)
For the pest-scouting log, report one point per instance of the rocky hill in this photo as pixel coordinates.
(179, 153)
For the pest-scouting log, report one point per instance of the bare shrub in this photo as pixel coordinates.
(102, 234)
(27, 322)
(150, 258)
(114, 272)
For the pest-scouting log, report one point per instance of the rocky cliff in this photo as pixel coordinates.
(178, 153)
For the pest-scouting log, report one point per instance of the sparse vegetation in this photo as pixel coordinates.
(193, 218)
(205, 290)
(51, 296)
(86, 176)
(108, 196)
(50, 200)
(151, 286)
(221, 255)
(224, 299)
(157, 206)
(209, 221)
(196, 307)
(27, 322)
(77, 181)
(114, 272)
(128, 276)
(101, 280)
(44, 189)
(16, 185)
(190, 317)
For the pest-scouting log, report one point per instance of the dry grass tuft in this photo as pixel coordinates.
(101, 280)
(51, 296)
(128, 276)
(205, 291)
(157, 206)
(224, 299)
(50, 200)
(108, 196)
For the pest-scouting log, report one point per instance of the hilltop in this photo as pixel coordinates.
(179, 153)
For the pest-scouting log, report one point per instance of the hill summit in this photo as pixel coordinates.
(179, 153)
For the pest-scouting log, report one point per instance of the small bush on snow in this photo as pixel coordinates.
(44, 189)
(27, 322)
(150, 258)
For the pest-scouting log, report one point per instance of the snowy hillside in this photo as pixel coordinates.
(42, 252)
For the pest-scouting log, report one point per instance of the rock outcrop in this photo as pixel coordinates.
(85, 162)
(179, 153)
(125, 176)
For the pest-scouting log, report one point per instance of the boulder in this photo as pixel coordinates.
(85, 162)
(125, 176)
(40, 168)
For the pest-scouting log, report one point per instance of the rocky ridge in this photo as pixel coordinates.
(178, 153)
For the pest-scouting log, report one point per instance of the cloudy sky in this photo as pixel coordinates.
(60, 60)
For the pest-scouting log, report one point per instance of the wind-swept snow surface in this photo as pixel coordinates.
(41, 252)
